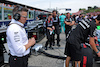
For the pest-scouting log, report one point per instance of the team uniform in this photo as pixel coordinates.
(49, 33)
(16, 39)
(78, 36)
(79, 19)
(67, 27)
(56, 31)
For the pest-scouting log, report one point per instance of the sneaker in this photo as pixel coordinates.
(53, 44)
(51, 47)
(45, 48)
(58, 45)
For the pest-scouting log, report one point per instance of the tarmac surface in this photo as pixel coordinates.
(43, 61)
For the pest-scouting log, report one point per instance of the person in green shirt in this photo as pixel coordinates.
(62, 18)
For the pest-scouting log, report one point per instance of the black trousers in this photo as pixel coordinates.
(67, 30)
(15, 61)
(49, 39)
(56, 31)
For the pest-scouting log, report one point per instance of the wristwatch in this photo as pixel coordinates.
(97, 51)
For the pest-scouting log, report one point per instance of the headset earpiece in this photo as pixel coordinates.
(17, 16)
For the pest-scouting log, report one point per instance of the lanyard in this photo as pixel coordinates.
(16, 23)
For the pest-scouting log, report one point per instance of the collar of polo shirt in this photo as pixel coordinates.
(17, 22)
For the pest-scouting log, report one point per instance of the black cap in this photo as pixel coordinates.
(98, 17)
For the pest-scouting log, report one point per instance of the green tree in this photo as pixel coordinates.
(82, 9)
(95, 7)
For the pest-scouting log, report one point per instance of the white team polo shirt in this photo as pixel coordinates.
(16, 39)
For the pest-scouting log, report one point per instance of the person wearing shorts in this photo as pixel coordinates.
(73, 47)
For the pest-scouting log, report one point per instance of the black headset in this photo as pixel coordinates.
(17, 15)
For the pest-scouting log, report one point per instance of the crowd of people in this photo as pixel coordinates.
(55, 23)
(77, 29)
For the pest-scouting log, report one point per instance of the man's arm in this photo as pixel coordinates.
(73, 22)
(67, 23)
(49, 28)
(16, 41)
(93, 45)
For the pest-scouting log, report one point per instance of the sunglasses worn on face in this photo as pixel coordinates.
(24, 16)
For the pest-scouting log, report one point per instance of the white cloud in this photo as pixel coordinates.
(73, 4)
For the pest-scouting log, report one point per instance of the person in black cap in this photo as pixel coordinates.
(73, 47)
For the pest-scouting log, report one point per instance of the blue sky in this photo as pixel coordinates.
(73, 4)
